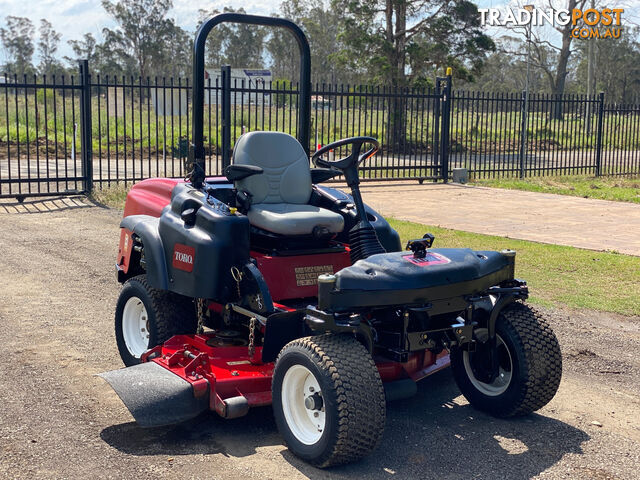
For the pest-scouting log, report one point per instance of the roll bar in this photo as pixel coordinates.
(197, 152)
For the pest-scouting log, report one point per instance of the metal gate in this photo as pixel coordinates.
(412, 124)
(46, 149)
(63, 135)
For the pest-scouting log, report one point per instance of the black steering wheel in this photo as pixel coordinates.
(352, 160)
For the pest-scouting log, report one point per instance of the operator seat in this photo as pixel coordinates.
(280, 195)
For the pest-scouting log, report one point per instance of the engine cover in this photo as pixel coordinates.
(399, 278)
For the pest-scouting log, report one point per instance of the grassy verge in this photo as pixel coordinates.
(622, 189)
(556, 274)
(113, 196)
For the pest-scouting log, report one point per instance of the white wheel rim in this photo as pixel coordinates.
(307, 425)
(135, 327)
(502, 381)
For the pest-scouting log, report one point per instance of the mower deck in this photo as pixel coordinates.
(230, 371)
(191, 376)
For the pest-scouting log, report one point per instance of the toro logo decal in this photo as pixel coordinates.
(183, 257)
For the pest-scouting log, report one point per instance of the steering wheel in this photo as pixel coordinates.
(352, 160)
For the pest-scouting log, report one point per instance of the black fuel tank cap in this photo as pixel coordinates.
(188, 216)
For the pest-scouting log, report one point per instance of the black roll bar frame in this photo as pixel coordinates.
(197, 153)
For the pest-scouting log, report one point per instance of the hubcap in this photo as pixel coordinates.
(135, 327)
(505, 370)
(303, 405)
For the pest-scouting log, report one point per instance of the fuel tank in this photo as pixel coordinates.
(202, 240)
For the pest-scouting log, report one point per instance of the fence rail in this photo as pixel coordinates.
(60, 135)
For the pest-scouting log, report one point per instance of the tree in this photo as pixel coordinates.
(505, 73)
(84, 49)
(400, 41)
(17, 40)
(618, 67)
(322, 27)
(47, 48)
(143, 32)
(177, 54)
(404, 42)
(551, 59)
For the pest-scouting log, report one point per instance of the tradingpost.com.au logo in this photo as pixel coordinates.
(587, 23)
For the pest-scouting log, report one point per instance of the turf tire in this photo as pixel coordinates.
(168, 314)
(352, 393)
(536, 365)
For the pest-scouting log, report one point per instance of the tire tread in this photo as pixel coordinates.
(542, 354)
(360, 396)
(173, 314)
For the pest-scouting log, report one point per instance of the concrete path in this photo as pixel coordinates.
(541, 217)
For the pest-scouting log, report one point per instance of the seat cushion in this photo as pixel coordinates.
(293, 219)
(286, 177)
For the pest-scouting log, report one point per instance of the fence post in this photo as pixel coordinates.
(599, 134)
(436, 130)
(446, 122)
(523, 130)
(85, 122)
(225, 75)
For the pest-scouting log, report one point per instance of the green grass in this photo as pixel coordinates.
(557, 275)
(622, 189)
(113, 196)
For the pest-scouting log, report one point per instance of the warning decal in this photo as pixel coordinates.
(431, 258)
(309, 275)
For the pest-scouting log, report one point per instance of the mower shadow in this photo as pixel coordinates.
(438, 435)
(204, 435)
(435, 434)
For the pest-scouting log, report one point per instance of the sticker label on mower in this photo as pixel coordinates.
(183, 256)
(239, 362)
(309, 275)
(431, 258)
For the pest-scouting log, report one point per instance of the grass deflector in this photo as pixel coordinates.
(267, 287)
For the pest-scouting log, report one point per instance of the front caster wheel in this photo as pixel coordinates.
(529, 365)
(328, 399)
(146, 317)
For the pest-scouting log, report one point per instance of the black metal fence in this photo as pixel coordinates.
(564, 135)
(63, 135)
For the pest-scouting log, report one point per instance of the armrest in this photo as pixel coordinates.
(319, 175)
(238, 172)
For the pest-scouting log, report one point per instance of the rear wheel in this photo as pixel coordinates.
(146, 317)
(328, 399)
(529, 365)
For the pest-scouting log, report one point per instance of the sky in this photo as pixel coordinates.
(74, 18)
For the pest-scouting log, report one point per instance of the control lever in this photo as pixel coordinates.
(420, 245)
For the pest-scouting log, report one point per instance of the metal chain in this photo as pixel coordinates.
(252, 336)
(200, 313)
(237, 276)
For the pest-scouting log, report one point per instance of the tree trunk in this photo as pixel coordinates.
(396, 56)
(563, 60)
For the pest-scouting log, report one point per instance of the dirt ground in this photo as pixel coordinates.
(57, 420)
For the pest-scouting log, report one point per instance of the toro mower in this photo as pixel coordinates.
(267, 287)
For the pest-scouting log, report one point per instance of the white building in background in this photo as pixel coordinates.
(254, 80)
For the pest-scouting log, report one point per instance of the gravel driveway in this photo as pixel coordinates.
(57, 296)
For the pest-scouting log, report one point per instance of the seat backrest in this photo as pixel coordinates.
(286, 177)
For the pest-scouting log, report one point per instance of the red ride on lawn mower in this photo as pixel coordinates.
(266, 287)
